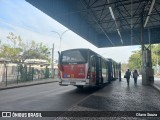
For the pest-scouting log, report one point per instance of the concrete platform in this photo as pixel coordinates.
(156, 84)
(118, 96)
(114, 97)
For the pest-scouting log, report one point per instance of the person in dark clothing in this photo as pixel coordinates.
(119, 75)
(135, 76)
(128, 74)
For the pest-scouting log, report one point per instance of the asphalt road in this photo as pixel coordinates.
(44, 97)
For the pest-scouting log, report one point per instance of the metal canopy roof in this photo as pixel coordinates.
(107, 23)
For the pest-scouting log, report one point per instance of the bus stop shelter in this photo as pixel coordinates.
(110, 23)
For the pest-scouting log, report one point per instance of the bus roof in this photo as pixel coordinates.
(107, 59)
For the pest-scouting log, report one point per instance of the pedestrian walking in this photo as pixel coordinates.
(135, 76)
(119, 75)
(127, 76)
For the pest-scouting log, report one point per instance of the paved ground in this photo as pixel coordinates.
(156, 84)
(117, 96)
(44, 97)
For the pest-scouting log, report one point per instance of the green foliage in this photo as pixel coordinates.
(135, 59)
(17, 49)
(156, 54)
(124, 67)
(9, 52)
(36, 51)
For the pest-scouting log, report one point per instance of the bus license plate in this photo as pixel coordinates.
(72, 83)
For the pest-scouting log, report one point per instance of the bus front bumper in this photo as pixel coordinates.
(76, 83)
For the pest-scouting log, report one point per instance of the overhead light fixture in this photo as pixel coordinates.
(111, 11)
(119, 32)
(113, 17)
(121, 40)
(120, 36)
(150, 10)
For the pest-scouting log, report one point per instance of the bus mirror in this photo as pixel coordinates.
(59, 62)
(59, 57)
(59, 53)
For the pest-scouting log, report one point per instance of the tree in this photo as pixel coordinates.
(36, 51)
(10, 53)
(124, 67)
(156, 54)
(135, 60)
(17, 49)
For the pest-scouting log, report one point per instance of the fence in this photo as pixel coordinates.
(18, 73)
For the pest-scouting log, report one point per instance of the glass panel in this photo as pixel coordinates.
(74, 56)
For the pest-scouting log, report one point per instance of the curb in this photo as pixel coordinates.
(18, 86)
(156, 87)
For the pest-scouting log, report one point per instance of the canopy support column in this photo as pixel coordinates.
(147, 71)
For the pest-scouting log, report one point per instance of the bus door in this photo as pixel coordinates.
(93, 69)
(98, 71)
(110, 71)
(113, 69)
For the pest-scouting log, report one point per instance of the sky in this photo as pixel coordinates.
(23, 19)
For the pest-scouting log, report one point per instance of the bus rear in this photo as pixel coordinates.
(73, 67)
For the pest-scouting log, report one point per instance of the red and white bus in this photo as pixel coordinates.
(83, 67)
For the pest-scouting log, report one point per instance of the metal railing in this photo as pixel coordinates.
(19, 73)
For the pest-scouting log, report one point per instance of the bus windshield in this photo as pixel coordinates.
(74, 56)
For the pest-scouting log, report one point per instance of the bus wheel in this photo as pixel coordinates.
(79, 87)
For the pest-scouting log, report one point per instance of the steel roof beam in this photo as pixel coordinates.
(139, 16)
(99, 24)
(124, 8)
(119, 10)
(127, 3)
(113, 17)
(149, 13)
(117, 19)
(158, 12)
(136, 9)
(93, 3)
(94, 22)
(156, 20)
(102, 12)
(107, 14)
